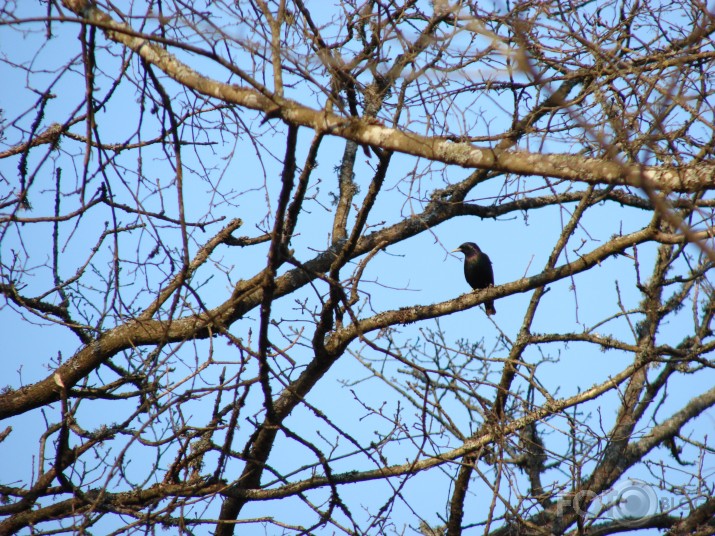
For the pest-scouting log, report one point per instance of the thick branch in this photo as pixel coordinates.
(370, 132)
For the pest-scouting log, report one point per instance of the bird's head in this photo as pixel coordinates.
(468, 248)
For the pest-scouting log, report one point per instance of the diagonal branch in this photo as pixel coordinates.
(372, 133)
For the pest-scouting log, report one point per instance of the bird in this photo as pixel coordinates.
(478, 270)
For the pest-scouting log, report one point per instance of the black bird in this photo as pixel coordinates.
(478, 270)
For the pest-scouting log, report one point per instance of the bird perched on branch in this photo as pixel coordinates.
(478, 270)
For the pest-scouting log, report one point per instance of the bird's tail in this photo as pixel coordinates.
(490, 308)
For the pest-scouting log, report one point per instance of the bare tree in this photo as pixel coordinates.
(228, 299)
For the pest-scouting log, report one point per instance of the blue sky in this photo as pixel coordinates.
(418, 271)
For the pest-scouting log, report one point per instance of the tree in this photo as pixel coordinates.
(228, 298)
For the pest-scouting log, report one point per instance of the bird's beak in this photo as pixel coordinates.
(455, 250)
